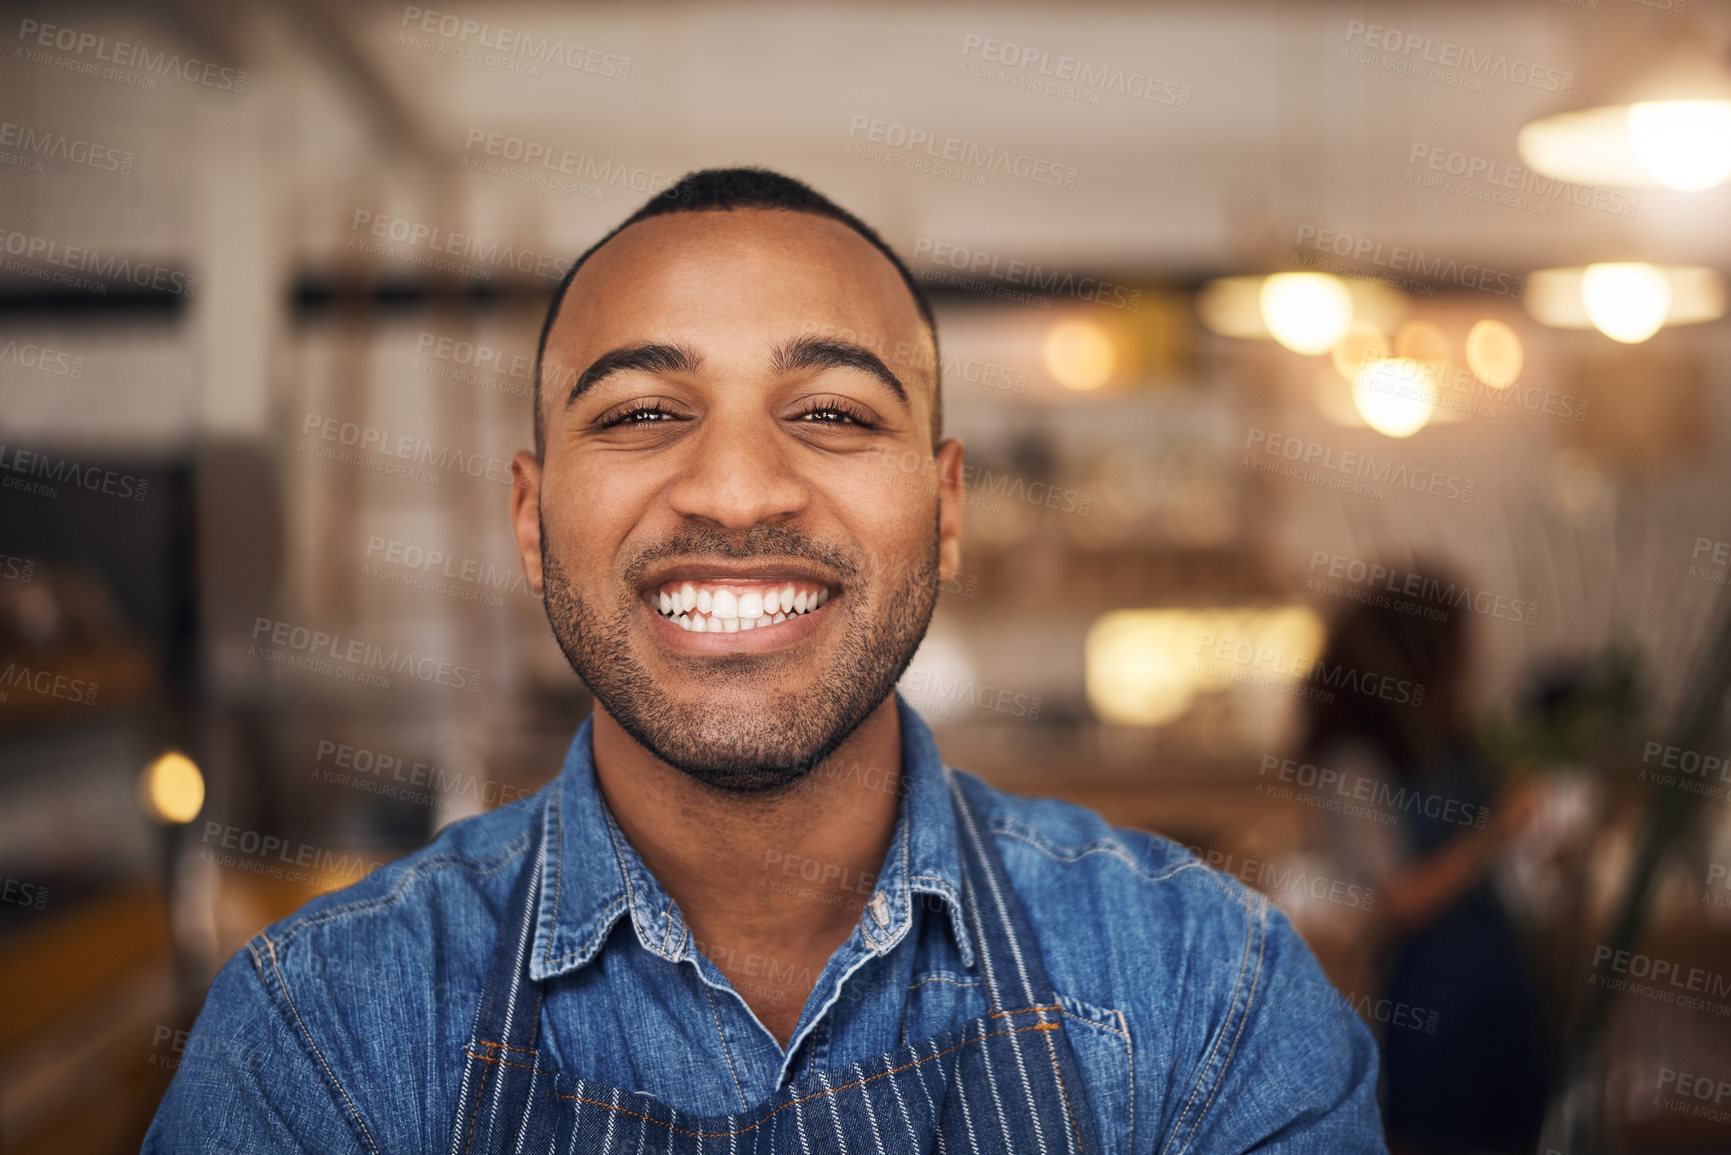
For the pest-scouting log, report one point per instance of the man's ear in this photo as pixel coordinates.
(950, 492)
(526, 514)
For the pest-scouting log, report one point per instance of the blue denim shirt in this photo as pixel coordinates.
(1200, 1021)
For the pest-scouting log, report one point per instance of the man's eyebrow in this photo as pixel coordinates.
(828, 353)
(647, 358)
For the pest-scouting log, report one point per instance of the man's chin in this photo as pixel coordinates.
(740, 759)
(769, 751)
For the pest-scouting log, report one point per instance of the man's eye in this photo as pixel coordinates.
(828, 412)
(648, 414)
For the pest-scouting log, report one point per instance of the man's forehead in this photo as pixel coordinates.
(720, 268)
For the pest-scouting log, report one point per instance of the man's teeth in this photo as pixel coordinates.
(718, 609)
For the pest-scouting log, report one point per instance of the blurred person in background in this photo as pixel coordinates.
(755, 910)
(1444, 941)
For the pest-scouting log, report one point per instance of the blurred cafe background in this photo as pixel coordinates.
(1348, 392)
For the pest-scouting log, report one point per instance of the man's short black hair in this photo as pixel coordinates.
(717, 189)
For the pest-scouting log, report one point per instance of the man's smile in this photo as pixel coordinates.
(737, 608)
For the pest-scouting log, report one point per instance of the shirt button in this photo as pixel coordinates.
(880, 909)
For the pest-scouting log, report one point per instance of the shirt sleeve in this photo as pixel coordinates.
(1289, 1068)
(250, 1079)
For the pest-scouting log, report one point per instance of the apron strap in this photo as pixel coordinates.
(1015, 975)
(500, 1060)
(1017, 987)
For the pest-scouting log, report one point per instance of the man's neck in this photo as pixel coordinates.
(769, 885)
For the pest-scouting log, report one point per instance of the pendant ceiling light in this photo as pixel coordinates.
(1627, 301)
(1665, 123)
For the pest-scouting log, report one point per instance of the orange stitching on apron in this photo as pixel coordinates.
(1069, 1111)
(503, 1047)
(1022, 1011)
(480, 1093)
(784, 1106)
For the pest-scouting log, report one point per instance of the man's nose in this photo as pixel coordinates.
(742, 471)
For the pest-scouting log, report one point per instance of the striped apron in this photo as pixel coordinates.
(1006, 1082)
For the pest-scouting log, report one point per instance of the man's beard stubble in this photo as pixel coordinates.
(767, 748)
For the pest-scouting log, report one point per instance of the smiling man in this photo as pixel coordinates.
(755, 911)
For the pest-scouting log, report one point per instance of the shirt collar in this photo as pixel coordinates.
(594, 876)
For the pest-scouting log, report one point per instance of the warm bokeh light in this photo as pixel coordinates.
(1363, 343)
(1626, 301)
(1380, 304)
(171, 788)
(1684, 144)
(1232, 307)
(1679, 144)
(1494, 353)
(1145, 667)
(1397, 396)
(1555, 296)
(1307, 312)
(1079, 355)
(1423, 342)
(1138, 673)
(1589, 146)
